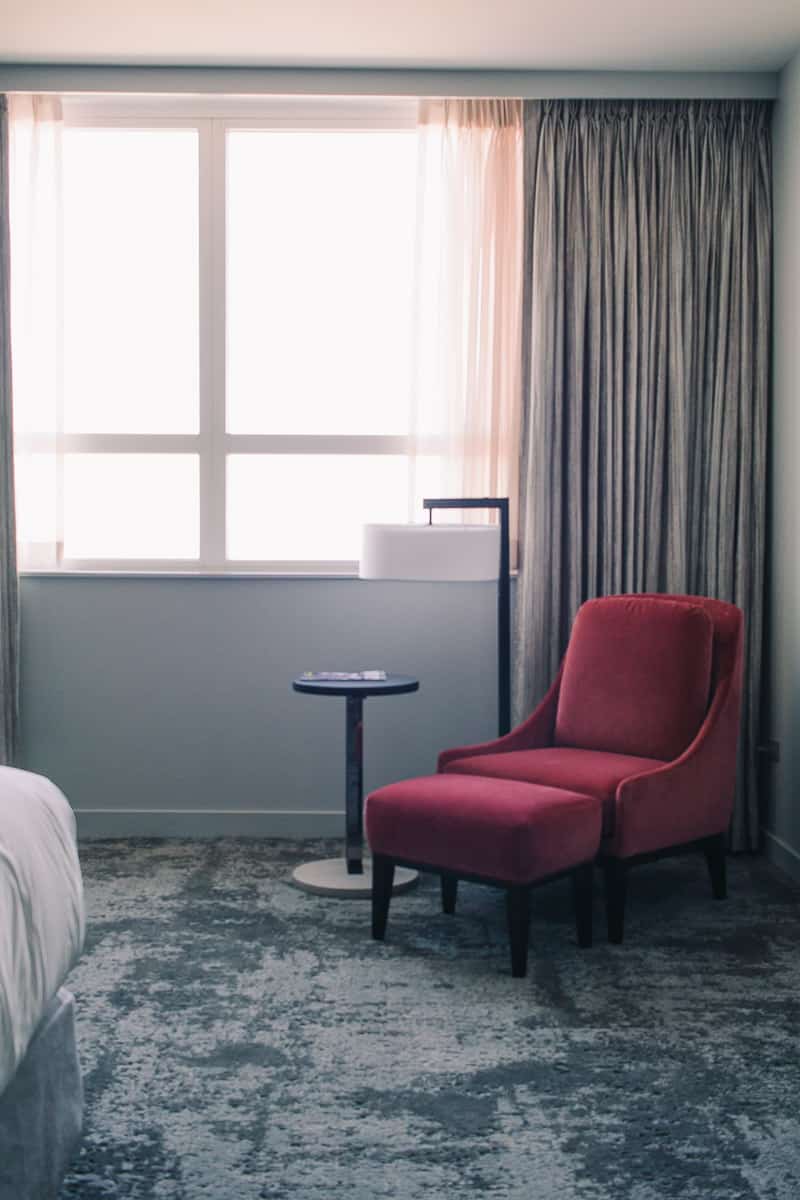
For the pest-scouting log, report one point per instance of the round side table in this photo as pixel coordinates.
(351, 876)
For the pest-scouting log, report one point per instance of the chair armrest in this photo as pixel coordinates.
(533, 734)
(689, 798)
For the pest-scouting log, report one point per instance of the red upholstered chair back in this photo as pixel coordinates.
(640, 670)
(728, 622)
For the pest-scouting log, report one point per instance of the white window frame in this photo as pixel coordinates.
(213, 118)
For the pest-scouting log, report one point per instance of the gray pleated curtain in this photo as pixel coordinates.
(9, 666)
(647, 341)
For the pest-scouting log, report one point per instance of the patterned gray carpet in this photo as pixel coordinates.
(242, 1040)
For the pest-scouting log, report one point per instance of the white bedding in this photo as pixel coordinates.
(42, 919)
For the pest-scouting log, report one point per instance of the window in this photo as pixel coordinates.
(231, 358)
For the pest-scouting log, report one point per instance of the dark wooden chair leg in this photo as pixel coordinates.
(582, 896)
(382, 880)
(714, 850)
(616, 879)
(518, 910)
(449, 892)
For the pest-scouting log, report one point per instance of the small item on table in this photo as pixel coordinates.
(345, 676)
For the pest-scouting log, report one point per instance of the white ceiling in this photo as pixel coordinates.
(720, 35)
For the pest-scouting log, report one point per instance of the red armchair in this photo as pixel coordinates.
(644, 715)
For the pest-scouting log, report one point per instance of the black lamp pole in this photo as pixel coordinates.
(503, 599)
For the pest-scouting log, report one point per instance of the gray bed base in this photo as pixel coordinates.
(41, 1110)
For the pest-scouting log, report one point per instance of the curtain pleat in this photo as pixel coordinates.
(646, 328)
(9, 610)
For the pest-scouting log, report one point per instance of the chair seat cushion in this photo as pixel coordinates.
(496, 829)
(592, 772)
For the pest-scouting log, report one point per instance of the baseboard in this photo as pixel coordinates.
(781, 855)
(207, 823)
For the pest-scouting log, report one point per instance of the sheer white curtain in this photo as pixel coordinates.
(468, 300)
(9, 606)
(35, 135)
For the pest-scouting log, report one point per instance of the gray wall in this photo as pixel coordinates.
(783, 693)
(163, 706)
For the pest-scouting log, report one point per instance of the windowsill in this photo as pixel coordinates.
(30, 573)
(173, 574)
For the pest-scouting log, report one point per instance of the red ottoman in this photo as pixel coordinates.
(498, 831)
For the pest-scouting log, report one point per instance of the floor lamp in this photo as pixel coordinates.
(449, 553)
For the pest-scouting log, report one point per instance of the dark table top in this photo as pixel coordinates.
(392, 685)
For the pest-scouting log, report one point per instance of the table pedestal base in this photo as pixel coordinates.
(329, 877)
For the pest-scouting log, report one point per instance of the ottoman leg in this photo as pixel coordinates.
(616, 880)
(582, 896)
(449, 892)
(518, 910)
(382, 880)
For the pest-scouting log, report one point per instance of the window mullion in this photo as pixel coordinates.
(317, 443)
(212, 343)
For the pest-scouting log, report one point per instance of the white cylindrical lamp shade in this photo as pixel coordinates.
(441, 553)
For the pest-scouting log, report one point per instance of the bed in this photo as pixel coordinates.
(42, 926)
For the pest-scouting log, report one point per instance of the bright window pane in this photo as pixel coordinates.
(290, 507)
(131, 506)
(36, 483)
(130, 281)
(320, 241)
